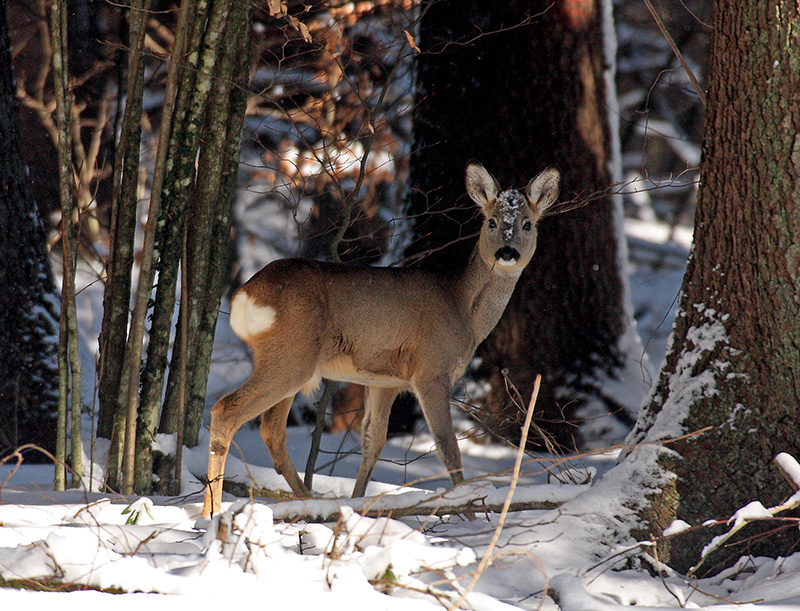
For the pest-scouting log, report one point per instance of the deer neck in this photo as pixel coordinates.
(485, 293)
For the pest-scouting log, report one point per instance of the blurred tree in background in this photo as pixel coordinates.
(28, 299)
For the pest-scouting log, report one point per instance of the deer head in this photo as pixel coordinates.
(508, 236)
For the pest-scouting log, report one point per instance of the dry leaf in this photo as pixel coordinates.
(304, 31)
(411, 42)
(300, 27)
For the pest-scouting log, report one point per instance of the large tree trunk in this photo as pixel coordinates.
(520, 93)
(734, 363)
(28, 303)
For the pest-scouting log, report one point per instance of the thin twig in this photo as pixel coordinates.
(700, 93)
(316, 436)
(487, 556)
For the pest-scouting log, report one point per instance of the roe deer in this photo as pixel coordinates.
(347, 411)
(388, 329)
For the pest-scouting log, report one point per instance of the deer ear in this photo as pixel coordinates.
(481, 186)
(542, 191)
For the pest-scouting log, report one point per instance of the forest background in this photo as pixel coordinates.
(358, 121)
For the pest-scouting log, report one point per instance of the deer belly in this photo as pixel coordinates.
(343, 369)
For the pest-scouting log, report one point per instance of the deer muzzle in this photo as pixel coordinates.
(507, 256)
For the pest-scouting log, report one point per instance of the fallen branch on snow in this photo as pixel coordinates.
(417, 503)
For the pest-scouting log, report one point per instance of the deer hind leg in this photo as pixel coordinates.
(273, 432)
(257, 395)
(434, 398)
(224, 424)
(377, 405)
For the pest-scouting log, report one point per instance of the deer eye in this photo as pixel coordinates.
(492, 224)
(527, 226)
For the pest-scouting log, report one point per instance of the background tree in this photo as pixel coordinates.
(733, 363)
(28, 301)
(523, 86)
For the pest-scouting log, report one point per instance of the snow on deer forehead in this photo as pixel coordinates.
(508, 205)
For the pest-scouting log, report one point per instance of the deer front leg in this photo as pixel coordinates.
(377, 406)
(273, 432)
(434, 398)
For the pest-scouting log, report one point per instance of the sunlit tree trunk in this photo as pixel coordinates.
(205, 88)
(208, 233)
(734, 362)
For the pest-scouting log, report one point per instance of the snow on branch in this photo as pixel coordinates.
(754, 510)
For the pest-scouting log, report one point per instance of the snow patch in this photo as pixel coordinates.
(166, 443)
(509, 203)
(677, 526)
(686, 385)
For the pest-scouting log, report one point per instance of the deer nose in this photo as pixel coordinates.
(507, 255)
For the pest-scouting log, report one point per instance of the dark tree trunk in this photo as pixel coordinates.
(519, 91)
(734, 364)
(28, 301)
(117, 294)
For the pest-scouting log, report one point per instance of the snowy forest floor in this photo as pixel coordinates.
(564, 555)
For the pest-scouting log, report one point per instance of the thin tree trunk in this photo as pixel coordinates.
(208, 232)
(117, 295)
(183, 350)
(191, 105)
(133, 354)
(69, 359)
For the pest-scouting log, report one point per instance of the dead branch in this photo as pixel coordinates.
(320, 511)
(487, 556)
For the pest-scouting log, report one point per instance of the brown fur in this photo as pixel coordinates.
(388, 329)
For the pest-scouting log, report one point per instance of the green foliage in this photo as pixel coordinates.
(134, 510)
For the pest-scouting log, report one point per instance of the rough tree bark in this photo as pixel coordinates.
(734, 362)
(206, 33)
(217, 34)
(208, 231)
(28, 301)
(520, 86)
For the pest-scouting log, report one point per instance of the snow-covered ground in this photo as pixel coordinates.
(562, 553)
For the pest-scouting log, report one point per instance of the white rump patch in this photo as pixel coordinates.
(249, 318)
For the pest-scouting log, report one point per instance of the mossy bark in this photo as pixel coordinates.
(206, 45)
(742, 287)
(207, 235)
